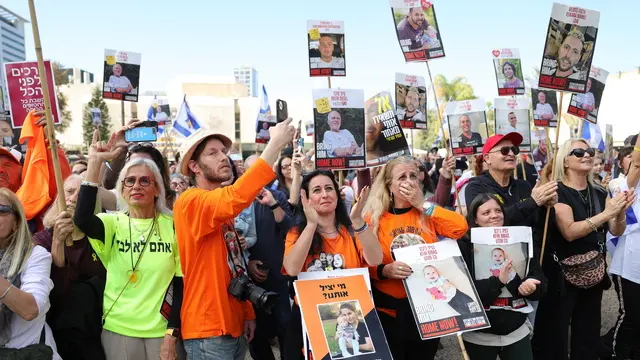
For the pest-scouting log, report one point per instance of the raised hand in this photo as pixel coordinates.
(447, 167)
(411, 191)
(504, 272)
(282, 134)
(266, 198)
(100, 150)
(544, 193)
(309, 210)
(356, 210)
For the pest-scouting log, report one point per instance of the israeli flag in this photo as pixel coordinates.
(593, 135)
(440, 135)
(185, 122)
(264, 102)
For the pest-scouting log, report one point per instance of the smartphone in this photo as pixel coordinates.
(282, 112)
(300, 139)
(145, 132)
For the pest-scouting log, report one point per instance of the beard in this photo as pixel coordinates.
(561, 64)
(211, 176)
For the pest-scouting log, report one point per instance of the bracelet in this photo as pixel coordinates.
(593, 226)
(361, 229)
(7, 291)
(89, 183)
(274, 206)
(636, 149)
(623, 219)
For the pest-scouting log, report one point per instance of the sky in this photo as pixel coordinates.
(212, 37)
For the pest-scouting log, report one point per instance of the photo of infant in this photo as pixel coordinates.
(345, 329)
(491, 260)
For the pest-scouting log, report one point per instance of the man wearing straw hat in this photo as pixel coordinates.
(216, 324)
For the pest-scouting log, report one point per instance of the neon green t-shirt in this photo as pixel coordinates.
(137, 311)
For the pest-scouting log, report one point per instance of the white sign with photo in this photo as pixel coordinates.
(512, 115)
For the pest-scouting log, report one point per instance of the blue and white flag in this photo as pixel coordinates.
(264, 102)
(593, 135)
(185, 122)
(445, 124)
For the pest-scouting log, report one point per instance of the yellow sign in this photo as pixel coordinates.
(111, 60)
(383, 104)
(322, 105)
(314, 34)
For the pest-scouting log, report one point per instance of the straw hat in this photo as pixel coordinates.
(192, 142)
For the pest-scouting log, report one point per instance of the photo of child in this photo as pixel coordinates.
(346, 332)
(498, 258)
(442, 289)
(489, 260)
(345, 329)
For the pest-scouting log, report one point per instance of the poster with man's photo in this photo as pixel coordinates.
(263, 123)
(539, 146)
(384, 138)
(340, 319)
(568, 49)
(96, 116)
(121, 75)
(411, 101)
(508, 68)
(545, 107)
(467, 122)
(417, 29)
(326, 48)
(309, 126)
(440, 290)
(339, 128)
(512, 115)
(160, 111)
(586, 105)
(504, 253)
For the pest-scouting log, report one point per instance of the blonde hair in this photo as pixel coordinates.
(559, 171)
(20, 242)
(49, 219)
(160, 201)
(380, 196)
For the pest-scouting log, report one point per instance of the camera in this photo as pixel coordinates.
(242, 288)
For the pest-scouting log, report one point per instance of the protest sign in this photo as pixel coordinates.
(568, 49)
(326, 48)
(467, 121)
(508, 68)
(493, 248)
(309, 126)
(417, 29)
(411, 101)
(160, 111)
(440, 290)
(333, 274)
(339, 128)
(539, 146)
(384, 138)
(25, 90)
(340, 319)
(586, 105)
(96, 116)
(512, 115)
(545, 107)
(263, 123)
(121, 75)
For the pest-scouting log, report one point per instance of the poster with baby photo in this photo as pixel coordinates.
(545, 107)
(417, 29)
(340, 319)
(467, 122)
(326, 48)
(440, 290)
(339, 128)
(586, 105)
(411, 101)
(512, 115)
(502, 252)
(506, 63)
(384, 138)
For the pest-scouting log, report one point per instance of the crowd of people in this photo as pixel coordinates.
(195, 259)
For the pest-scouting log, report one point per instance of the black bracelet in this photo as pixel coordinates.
(379, 272)
(274, 206)
(361, 229)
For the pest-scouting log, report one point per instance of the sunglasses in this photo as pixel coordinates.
(131, 181)
(506, 149)
(579, 153)
(6, 209)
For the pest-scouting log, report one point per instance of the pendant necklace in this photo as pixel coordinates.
(134, 274)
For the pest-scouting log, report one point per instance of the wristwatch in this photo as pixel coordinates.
(175, 333)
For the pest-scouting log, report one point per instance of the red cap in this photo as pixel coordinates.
(515, 138)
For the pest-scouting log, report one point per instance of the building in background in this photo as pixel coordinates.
(77, 76)
(248, 76)
(12, 46)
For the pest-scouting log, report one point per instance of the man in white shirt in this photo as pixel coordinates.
(586, 101)
(119, 83)
(512, 127)
(412, 104)
(543, 110)
(264, 132)
(338, 142)
(160, 115)
(327, 60)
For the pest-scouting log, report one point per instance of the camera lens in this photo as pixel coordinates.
(261, 298)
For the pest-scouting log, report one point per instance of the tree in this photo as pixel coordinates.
(60, 78)
(87, 118)
(491, 118)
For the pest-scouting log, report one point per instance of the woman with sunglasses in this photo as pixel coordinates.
(138, 248)
(583, 215)
(24, 281)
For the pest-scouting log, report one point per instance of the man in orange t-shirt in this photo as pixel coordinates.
(213, 320)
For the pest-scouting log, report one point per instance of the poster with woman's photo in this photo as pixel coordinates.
(586, 105)
(545, 107)
(508, 68)
(384, 138)
(512, 115)
(503, 252)
(467, 122)
(568, 49)
(263, 123)
(340, 319)
(411, 101)
(121, 75)
(440, 290)
(417, 29)
(339, 128)
(326, 48)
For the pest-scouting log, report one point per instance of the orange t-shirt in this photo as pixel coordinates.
(397, 231)
(202, 218)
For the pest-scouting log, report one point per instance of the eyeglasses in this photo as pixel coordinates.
(506, 149)
(131, 181)
(6, 210)
(579, 153)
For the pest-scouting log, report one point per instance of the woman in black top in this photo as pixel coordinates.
(582, 217)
